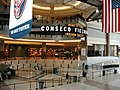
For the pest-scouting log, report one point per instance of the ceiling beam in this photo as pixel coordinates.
(94, 17)
(91, 16)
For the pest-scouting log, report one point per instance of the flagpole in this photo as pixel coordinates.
(107, 44)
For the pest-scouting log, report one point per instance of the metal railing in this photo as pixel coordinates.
(41, 83)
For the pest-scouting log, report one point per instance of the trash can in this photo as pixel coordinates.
(54, 70)
(74, 78)
(115, 71)
(4, 76)
(103, 72)
(13, 72)
(41, 83)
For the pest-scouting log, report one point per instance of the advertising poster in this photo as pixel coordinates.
(20, 23)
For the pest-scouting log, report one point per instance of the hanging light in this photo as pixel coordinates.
(70, 19)
(97, 10)
(66, 20)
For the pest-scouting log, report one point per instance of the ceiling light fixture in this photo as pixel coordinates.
(97, 11)
(57, 8)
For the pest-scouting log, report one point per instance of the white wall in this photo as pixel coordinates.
(96, 36)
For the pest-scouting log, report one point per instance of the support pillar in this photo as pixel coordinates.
(2, 49)
(107, 44)
(43, 50)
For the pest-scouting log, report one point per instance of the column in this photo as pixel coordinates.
(115, 50)
(107, 44)
(2, 49)
(43, 50)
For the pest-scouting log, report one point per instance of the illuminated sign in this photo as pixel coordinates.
(58, 30)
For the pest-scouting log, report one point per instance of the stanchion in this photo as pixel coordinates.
(61, 65)
(52, 82)
(37, 64)
(106, 72)
(92, 75)
(70, 79)
(23, 66)
(35, 61)
(45, 84)
(46, 71)
(99, 73)
(79, 79)
(18, 62)
(0, 87)
(61, 68)
(36, 85)
(25, 61)
(30, 85)
(45, 64)
(59, 82)
(5, 62)
(68, 68)
(86, 76)
(110, 71)
(103, 73)
(53, 65)
(14, 86)
(92, 66)
(11, 62)
(53, 61)
(17, 67)
(30, 66)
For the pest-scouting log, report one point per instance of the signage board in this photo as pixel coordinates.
(58, 30)
(20, 23)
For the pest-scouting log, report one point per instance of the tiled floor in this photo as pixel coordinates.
(93, 82)
(110, 82)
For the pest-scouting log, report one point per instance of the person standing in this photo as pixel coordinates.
(67, 77)
(84, 70)
(1, 76)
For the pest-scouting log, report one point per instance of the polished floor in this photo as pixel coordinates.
(109, 82)
(28, 78)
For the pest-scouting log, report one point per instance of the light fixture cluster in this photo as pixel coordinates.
(57, 8)
(62, 21)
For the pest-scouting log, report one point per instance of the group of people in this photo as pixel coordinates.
(6, 73)
(38, 69)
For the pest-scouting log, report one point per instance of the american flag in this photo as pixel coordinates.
(111, 16)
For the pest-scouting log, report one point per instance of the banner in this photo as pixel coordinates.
(20, 23)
